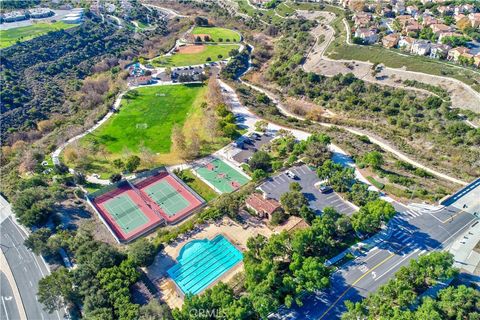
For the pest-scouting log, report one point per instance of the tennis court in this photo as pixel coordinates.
(221, 176)
(167, 197)
(127, 215)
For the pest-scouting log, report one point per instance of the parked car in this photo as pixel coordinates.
(325, 188)
(290, 174)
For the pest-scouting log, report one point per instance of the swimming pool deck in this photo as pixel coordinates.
(234, 232)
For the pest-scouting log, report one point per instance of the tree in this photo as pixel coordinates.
(194, 146)
(292, 201)
(261, 125)
(295, 186)
(155, 310)
(115, 177)
(373, 159)
(307, 214)
(142, 252)
(55, 291)
(278, 217)
(178, 141)
(260, 160)
(317, 152)
(118, 163)
(132, 163)
(371, 216)
(259, 174)
(201, 21)
(37, 241)
(360, 195)
(33, 205)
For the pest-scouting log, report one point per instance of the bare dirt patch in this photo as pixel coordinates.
(191, 49)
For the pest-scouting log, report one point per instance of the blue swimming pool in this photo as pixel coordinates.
(201, 262)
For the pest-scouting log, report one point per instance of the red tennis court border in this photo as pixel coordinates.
(194, 201)
(153, 219)
(134, 190)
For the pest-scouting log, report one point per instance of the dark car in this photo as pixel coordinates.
(325, 189)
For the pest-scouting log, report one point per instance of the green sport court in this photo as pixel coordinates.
(126, 214)
(167, 197)
(221, 176)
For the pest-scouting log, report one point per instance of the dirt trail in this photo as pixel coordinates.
(462, 95)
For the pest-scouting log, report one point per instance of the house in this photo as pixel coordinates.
(362, 19)
(448, 34)
(464, 8)
(412, 10)
(368, 36)
(263, 207)
(429, 20)
(439, 51)
(476, 60)
(139, 81)
(391, 40)
(474, 19)
(421, 47)
(14, 16)
(404, 20)
(38, 13)
(387, 12)
(413, 27)
(458, 17)
(399, 7)
(438, 28)
(455, 53)
(406, 43)
(446, 10)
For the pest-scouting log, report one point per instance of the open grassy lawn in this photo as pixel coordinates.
(217, 33)
(180, 59)
(147, 120)
(198, 185)
(11, 36)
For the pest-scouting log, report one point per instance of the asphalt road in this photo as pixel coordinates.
(27, 269)
(412, 233)
(8, 310)
(279, 184)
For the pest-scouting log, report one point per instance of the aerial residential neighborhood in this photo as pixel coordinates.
(240, 159)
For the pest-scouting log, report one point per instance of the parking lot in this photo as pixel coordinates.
(248, 147)
(307, 178)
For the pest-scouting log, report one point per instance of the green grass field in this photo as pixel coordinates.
(11, 36)
(184, 59)
(147, 120)
(217, 33)
(198, 185)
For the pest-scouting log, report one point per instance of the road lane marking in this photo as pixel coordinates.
(396, 264)
(354, 283)
(5, 309)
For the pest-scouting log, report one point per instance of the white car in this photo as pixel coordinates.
(290, 174)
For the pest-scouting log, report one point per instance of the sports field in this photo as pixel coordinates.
(147, 119)
(221, 176)
(171, 198)
(217, 34)
(194, 57)
(125, 213)
(11, 36)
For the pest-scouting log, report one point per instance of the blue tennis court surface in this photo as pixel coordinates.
(201, 262)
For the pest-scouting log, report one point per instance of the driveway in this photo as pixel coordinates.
(307, 178)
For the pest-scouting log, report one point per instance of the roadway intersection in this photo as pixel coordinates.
(411, 233)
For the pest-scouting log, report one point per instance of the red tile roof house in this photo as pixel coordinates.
(390, 40)
(455, 53)
(474, 19)
(406, 43)
(264, 208)
(476, 60)
(428, 21)
(438, 28)
(369, 36)
(413, 27)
